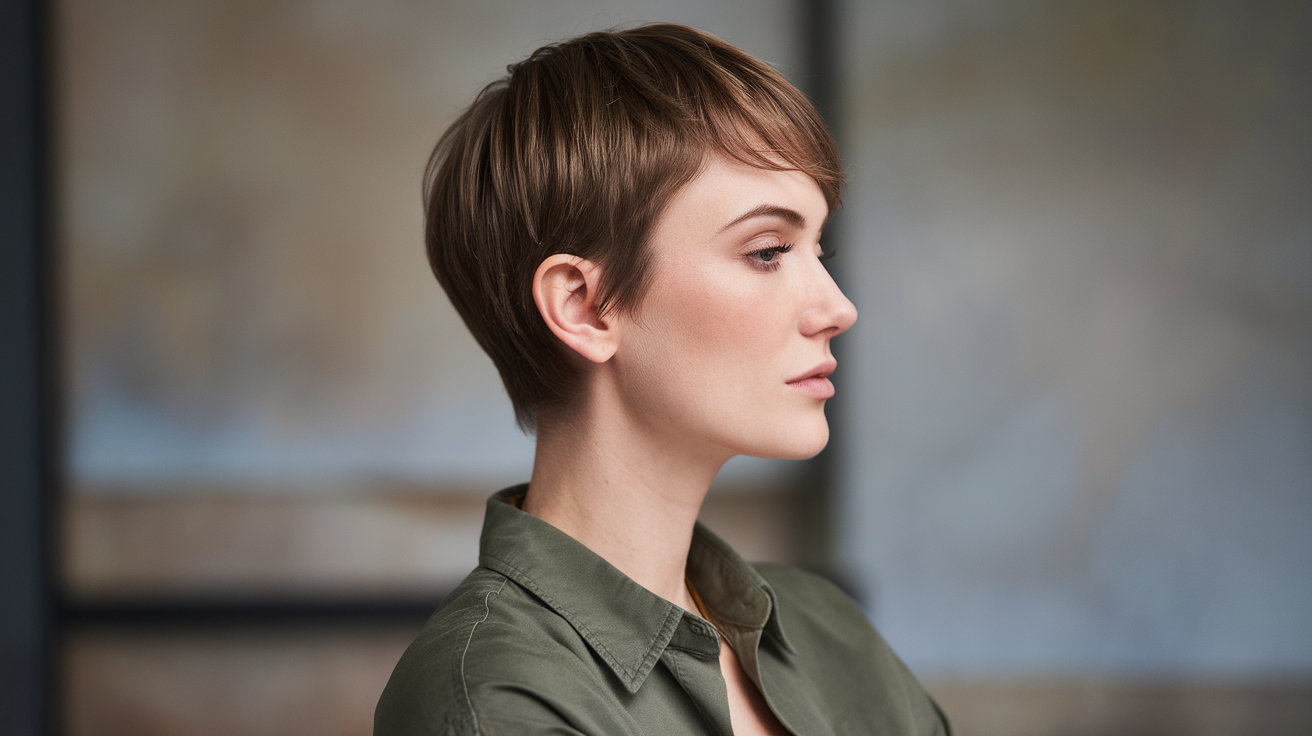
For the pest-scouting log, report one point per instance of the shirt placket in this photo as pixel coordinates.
(693, 655)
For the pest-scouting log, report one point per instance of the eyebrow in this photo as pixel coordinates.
(792, 217)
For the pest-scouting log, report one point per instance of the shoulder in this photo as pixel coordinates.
(491, 655)
(794, 582)
(813, 603)
(425, 694)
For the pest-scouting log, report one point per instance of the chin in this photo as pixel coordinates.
(809, 450)
(800, 440)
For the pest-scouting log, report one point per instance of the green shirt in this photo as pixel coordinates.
(546, 637)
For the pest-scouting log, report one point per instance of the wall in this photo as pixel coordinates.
(247, 300)
(1080, 435)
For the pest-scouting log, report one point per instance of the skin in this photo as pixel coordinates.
(726, 355)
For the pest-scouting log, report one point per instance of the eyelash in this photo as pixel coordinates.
(769, 264)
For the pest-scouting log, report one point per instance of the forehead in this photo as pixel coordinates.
(727, 196)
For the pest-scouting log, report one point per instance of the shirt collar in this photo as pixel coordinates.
(627, 625)
(734, 593)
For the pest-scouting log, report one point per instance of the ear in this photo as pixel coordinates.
(565, 290)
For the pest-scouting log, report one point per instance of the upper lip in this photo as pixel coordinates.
(820, 371)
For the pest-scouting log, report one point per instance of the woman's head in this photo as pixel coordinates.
(578, 151)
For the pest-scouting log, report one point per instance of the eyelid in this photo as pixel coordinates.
(778, 246)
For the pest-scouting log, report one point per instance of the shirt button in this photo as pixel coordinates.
(701, 629)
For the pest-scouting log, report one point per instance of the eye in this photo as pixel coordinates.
(768, 257)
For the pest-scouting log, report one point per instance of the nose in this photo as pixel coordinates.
(826, 311)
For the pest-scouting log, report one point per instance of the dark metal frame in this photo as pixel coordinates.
(814, 502)
(27, 468)
(244, 611)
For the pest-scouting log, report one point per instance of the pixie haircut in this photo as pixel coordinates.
(578, 150)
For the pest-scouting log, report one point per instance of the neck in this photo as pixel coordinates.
(624, 492)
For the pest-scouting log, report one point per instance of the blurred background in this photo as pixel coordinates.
(1071, 475)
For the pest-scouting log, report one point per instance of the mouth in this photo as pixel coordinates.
(815, 382)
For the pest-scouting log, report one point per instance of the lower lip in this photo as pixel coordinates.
(814, 387)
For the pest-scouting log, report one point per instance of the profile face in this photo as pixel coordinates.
(729, 348)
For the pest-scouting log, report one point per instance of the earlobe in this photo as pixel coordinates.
(565, 291)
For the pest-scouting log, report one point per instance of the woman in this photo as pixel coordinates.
(629, 224)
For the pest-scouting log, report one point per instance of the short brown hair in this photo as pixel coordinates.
(578, 150)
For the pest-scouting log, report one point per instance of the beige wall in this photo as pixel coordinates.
(247, 302)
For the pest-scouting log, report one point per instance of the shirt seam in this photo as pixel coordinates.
(464, 681)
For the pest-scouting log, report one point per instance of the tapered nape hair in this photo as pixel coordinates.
(578, 150)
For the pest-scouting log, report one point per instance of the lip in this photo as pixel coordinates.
(815, 382)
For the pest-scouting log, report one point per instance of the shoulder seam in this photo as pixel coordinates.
(464, 683)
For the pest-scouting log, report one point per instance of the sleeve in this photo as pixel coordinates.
(413, 706)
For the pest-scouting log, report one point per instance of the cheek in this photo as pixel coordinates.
(721, 335)
(710, 358)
